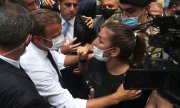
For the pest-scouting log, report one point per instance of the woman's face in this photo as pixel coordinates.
(103, 40)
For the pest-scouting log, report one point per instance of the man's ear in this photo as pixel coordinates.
(115, 52)
(35, 39)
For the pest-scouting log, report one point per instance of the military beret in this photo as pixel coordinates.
(139, 3)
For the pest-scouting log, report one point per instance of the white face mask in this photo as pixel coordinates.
(99, 54)
(56, 42)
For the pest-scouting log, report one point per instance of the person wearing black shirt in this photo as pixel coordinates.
(116, 49)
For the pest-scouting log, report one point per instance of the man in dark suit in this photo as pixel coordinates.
(75, 31)
(16, 88)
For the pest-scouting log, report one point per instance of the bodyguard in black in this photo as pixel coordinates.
(16, 88)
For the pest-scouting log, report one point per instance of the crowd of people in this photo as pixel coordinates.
(76, 53)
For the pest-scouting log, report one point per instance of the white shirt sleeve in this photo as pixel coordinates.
(59, 59)
(46, 81)
(54, 93)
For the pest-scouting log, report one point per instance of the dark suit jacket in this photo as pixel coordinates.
(87, 8)
(17, 90)
(98, 23)
(83, 33)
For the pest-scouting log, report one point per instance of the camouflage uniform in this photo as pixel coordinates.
(153, 53)
(115, 17)
(100, 20)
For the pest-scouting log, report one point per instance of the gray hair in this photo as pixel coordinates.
(15, 25)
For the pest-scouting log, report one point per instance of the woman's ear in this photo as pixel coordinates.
(115, 52)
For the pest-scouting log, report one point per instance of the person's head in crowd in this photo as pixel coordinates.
(159, 1)
(155, 9)
(117, 42)
(46, 33)
(174, 8)
(134, 12)
(30, 5)
(109, 7)
(15, 24)
(68, 9)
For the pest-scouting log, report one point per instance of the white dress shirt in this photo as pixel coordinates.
(70, 33)
(45, 77)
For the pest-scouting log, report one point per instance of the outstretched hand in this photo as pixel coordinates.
(70, 47)
(123, 95)
(85, 52)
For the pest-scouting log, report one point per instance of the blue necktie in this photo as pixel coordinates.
(65, 29)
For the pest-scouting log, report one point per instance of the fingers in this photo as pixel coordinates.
(90, 24)
(48, 3)
(51, 2)
(91, 56)
(74, 39)
(134, 94)
(89, 21)
(73, 48)
(128, 94)
(75, 45)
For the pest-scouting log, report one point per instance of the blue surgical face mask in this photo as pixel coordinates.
(131, 21)
(99, 54)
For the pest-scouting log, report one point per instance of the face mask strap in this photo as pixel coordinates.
(14, 50)
(45, 38)
(109, 49)
(45, 46)
(139, 15)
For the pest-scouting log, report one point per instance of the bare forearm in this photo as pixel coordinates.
(70, 59)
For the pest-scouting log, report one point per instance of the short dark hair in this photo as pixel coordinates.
(42, 18)
(124, 38)
(15, 24)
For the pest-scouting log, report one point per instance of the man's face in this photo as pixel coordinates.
(130, 10)
(31, 5)
(52, 31)
(155, 9)
(68, 9)
(109, 4)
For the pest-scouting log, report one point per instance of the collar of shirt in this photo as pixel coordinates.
(40, 53)
(70, 21)
(13, 62)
